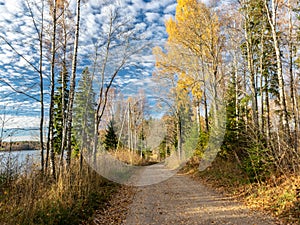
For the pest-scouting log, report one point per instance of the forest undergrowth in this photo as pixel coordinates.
(76, 196)
(33, 198)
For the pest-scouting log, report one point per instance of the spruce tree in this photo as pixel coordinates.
(110, 140)
(84, 111)
(60, 109)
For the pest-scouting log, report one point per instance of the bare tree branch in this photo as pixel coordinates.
(18, 91)
(19, 54)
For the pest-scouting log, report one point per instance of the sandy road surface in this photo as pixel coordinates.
(181, 200)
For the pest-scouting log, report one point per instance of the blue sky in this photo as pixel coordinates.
(147, 16)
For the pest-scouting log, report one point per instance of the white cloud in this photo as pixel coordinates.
(138, 4)
(141, 26)
(154, 5)
(170, 8)
(13, 6)
(21, 33)
(93, 4)
(4, 88)
(19, 122)
(205, 1)
(151, 17)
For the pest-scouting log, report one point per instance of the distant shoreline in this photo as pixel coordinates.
(19, 146)
(18, 150)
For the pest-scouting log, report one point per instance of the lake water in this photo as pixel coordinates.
(19, 160)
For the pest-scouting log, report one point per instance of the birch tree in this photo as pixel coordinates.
(72, 85)
(113, 53)
(50, 142)
(271, 8)
(193, 54)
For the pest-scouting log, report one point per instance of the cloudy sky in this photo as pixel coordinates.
(17, 28)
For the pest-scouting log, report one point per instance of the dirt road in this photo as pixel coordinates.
(181, 200)
(177, 200)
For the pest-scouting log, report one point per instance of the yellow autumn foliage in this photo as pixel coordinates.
(193, 36)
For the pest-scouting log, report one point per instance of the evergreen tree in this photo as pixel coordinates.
(235, 138)
(110, 140)
(60, 109)
(84, 111)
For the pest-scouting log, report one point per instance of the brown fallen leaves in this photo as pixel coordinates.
(116, 209)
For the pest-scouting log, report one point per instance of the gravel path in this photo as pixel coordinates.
(181, 200)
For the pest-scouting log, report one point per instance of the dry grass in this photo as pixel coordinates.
(279, 196)
(38, 199)
(129, 157)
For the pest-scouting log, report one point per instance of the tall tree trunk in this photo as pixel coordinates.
(179, 138)
(100, 100)
(292, 80)
(262, 112)
(40, 33)
(252, 76)
(261, 61)
(42, 91)
(282, 100)
(96, 137)
(72, 88)
(236, 95)
(128, 127)
(206, 110)
(64, 85)
(198, 116)
(52, 87)
(268, 122)
(205, 97)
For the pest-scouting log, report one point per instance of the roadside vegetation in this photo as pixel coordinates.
(76, 196)
(33, 198)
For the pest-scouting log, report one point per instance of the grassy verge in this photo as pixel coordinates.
(131, 157)
(278, 195)
(38, 199)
